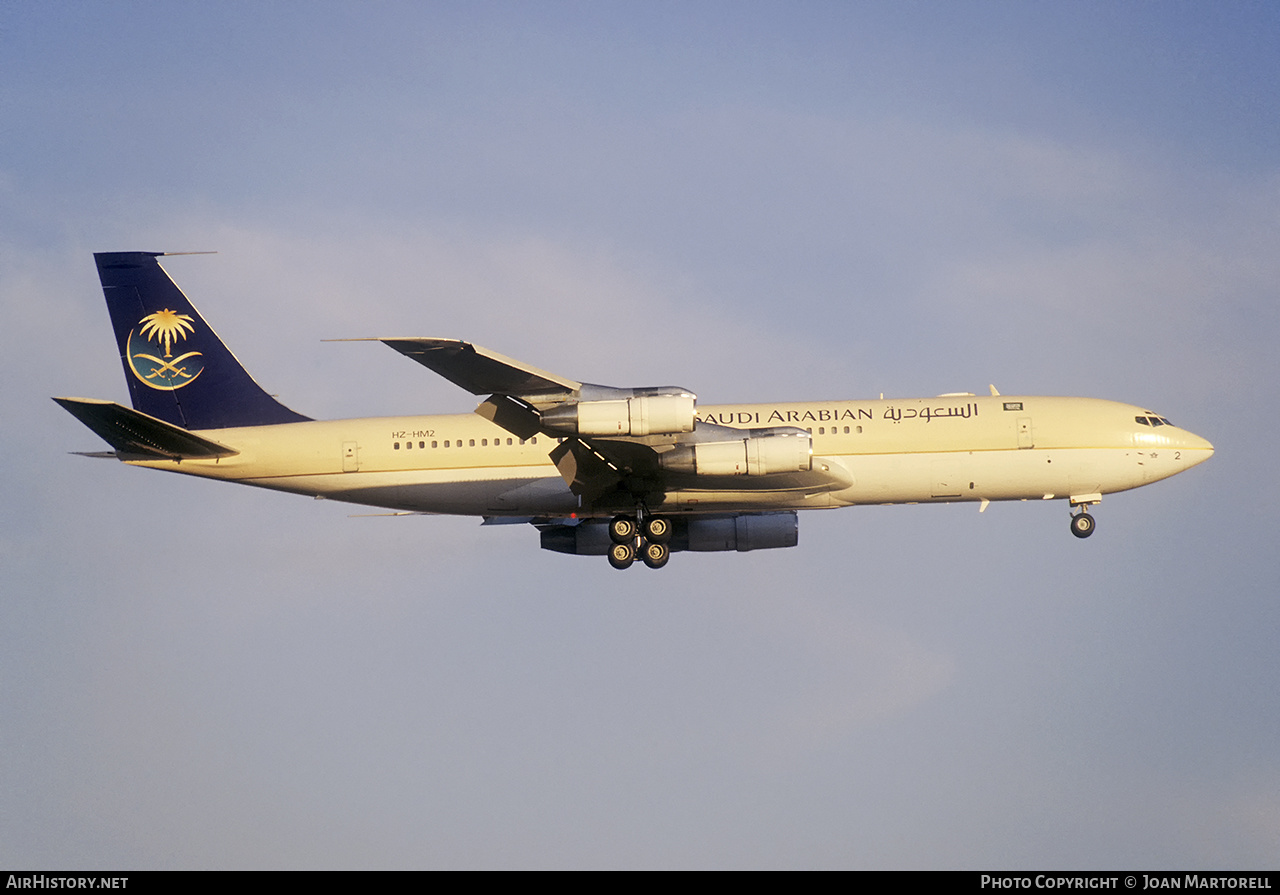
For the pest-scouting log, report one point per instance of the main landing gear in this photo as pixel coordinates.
(644, 536)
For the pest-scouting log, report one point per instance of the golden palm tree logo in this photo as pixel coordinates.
(163, 328)
(166, 325)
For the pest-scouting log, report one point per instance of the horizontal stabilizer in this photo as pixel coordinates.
(479, 370)
(134, 435)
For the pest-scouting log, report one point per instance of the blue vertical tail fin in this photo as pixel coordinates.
(177, 368)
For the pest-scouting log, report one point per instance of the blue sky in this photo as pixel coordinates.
(759, 202)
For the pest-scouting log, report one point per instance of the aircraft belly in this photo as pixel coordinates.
(989, 475)
(872, 479)
(490, 491)
(698, 501)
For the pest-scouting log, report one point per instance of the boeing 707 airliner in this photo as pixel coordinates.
(628, 473)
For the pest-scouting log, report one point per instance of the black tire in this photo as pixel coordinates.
(657, 529)
(655, 554)
(621, 556)
(1082, 525)
(622, 529)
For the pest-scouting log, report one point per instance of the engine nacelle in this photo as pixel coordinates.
(655, 415)
(584, 539)
(758, 531)
(763, 452)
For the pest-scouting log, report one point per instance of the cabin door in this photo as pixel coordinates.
(350, 456)
(1024, 433)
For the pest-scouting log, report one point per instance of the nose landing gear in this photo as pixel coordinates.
(1082, 524)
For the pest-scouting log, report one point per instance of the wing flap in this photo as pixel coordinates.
(510, 413)
(135, 435)
(586, 471)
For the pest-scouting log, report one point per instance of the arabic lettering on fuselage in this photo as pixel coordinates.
(898, 414)
(833, 415)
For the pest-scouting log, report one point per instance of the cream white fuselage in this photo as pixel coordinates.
(948, 448)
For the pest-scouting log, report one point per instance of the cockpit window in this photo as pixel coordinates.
(1141, 421)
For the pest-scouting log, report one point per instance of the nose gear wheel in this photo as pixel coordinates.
(1082, 525)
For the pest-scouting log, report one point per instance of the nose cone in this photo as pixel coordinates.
(1194, 448)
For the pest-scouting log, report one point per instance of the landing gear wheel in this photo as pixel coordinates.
(623, 530)
(655, 555)
(621, 556)
(1082, 525)
(657, 529)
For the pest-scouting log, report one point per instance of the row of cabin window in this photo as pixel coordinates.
(484, 442)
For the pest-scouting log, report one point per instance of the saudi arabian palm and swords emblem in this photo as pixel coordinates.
(150, 351)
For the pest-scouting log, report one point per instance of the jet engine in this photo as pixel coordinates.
(748, 531)
(762, 452)
(647, 415)
(583, 539)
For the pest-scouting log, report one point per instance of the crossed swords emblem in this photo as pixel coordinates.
(168, 366)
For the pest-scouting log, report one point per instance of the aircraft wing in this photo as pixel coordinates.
(481, 371)
(637, 440)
